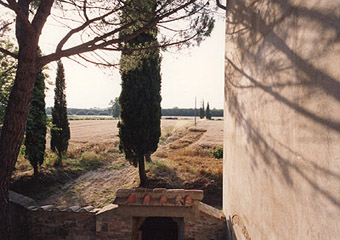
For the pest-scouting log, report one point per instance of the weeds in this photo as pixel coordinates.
(156, 167)
(116, 167)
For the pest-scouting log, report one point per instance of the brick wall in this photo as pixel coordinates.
(62, 225)
(210, 224)
(111, 225)
(201, 222)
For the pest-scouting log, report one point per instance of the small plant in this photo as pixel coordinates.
(50, 159)
(116, 167)
(22, 150)
(217, 152)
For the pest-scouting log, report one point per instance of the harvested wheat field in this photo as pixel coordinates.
(183, 160)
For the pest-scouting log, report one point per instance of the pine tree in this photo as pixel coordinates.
(35, 140)
(207, 112)
(60, 132)
(139, 127)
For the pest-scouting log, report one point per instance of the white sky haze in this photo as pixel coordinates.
(186, 74)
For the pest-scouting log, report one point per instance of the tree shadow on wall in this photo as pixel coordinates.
(267, 56)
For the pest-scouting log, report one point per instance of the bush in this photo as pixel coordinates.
(218, 152)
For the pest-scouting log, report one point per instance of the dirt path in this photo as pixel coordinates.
(97, 187)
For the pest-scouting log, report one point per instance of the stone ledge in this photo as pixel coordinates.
(211, 211)
(21, 200)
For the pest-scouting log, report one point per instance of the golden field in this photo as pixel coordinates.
(94, 169)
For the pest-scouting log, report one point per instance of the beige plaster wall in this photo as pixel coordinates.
(282, 119)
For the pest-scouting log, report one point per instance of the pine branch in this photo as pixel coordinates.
(96, 43)
(13, 5)
(6, 52)
(40, 17)
(221, 6)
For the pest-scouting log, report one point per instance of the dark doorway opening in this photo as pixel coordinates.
(159, 228)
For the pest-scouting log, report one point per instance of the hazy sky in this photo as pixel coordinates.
(195, 72)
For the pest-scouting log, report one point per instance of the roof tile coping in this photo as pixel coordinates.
(52, 208)
(158, 192)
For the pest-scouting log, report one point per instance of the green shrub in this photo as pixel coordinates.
(218, 152)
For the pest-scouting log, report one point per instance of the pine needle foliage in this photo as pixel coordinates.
(7, 74)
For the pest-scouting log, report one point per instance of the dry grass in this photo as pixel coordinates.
(190, 156)
(200, 160)
(187, 162)
(193, 135)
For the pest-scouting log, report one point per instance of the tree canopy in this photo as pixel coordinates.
(94, 26)
(115, 108)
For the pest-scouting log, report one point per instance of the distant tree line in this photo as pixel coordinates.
(189, 112)
(180, 112)
(83, 111)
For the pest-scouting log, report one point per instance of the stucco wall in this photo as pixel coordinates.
(282, 119)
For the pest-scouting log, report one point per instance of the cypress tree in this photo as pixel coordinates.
(207, 112)
(139, 126)
(35, 140)
(202, 111)
(60, 132)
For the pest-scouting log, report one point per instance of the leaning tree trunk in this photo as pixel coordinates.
(16, 113)
(142, 175)
(14, 127)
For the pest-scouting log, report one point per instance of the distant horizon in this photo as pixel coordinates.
(211, 107)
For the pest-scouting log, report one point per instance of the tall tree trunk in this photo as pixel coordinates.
(16, 115)
(35, 171)
(142, 175)
(148, 157)
(13, 131)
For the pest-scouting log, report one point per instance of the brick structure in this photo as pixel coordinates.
(157, 213)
